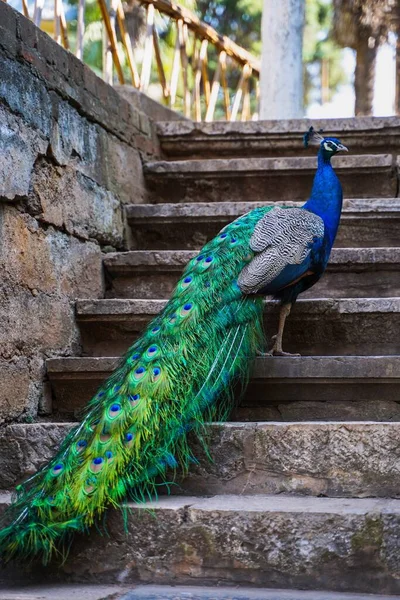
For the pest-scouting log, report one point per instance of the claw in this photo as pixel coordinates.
(276, 352)
(282, 353)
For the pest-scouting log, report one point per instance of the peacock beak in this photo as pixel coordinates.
(341, 148)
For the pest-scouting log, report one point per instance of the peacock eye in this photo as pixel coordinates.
(330, 146)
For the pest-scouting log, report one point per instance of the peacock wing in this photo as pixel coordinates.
(281, 238)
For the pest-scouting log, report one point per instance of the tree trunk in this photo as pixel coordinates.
(281, 80)
(397, 97)
(367, 50)
(397, 26)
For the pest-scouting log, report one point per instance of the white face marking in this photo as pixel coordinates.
(328, 146)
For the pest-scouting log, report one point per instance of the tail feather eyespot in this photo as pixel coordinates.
(57, 469)
(139, 374)
(129, 439)
(186, 309)
(97, 464)
(156, 374)
(134, 400)
(152, 352)
(114, 410)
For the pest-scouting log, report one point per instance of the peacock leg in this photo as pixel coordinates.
(276, 349)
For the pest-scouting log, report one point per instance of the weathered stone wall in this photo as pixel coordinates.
(70, 157)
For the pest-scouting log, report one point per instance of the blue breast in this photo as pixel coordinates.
(326, 199)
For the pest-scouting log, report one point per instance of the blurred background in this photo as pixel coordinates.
(349, 49)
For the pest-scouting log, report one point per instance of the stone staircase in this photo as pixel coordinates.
(304, 488)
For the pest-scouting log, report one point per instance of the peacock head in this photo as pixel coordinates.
(329, 146)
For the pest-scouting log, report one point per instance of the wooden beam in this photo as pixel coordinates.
(246, 101)
(63, 27)
(175, 69)
(182, 31)
(227, 102)
(204, 71)
(214, 90)
(196, 80)
(126, 40)
(160, 66)
(239, 92)
(112, 37)
(25, 8)
(204, 31)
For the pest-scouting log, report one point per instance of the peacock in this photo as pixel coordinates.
(183, 371)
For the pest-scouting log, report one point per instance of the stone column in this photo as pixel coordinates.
(282, 66)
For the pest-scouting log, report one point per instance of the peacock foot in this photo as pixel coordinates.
(276, 349)
(274, 352)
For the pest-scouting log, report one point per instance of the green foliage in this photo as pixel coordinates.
(93, 44)
(178, 375)
(240, 20)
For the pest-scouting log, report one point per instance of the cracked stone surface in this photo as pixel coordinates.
(71, 156)
(19, 147)
(356, 459)
(247, 540)
(42, 271)
(72, 202)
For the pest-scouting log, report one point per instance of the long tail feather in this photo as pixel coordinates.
(178, 375)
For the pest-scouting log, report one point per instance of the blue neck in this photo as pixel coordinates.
(326, 196)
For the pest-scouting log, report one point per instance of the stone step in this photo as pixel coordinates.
(285, 542)
(60, 591)
(371, 222)
(351, 273)
(158, 592)
(187, 139)
(308, 388)
(265, 179)
(366, 326)
(164, 592)
(335, 459)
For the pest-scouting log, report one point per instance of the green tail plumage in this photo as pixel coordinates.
(179, 374)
